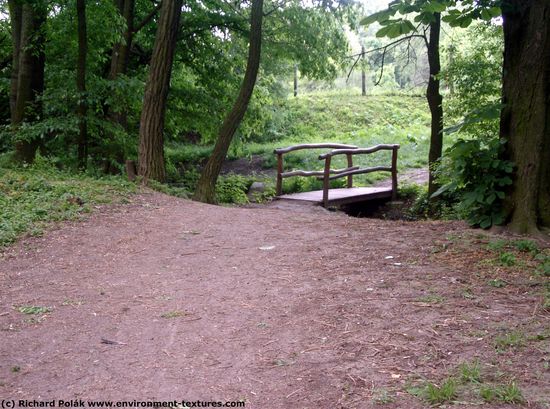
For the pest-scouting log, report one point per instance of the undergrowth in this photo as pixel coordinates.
(32, 196)
(323, 117)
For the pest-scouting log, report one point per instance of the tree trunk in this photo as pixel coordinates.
(295, 80)
(119, 60)
(525, 119)
(121, 51)
(120, 56)
(435, 101)
(363, 74)
(28, 77)
(81, 83)
(206, 187)
(16, 12)
(151, 138)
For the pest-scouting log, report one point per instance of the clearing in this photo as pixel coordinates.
(278, 307)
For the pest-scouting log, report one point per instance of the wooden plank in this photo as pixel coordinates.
(341, 196)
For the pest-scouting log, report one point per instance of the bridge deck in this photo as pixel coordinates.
(342, 196)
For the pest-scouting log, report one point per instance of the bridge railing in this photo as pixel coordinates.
(354, 170)
(281, 174)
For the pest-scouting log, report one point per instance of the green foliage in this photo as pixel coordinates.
(514, 339)
(497, 245)
(168, 189)
(526, 245)
(306, 184)
(35, 195)
(509, 393)
(322, 117)
(470, 371)
(445, 392)
(473, 173)
(424, 208)
(232, 189)
(544, 267)
(473, 73)
(33, 309)
(457, 13)
(507, 259)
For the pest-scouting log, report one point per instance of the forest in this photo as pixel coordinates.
(170, 90)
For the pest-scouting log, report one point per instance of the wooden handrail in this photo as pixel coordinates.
(325, 175)
(317, 172)
(359, 171)
(314, 146)
(281, 151)
(359, 150)
(349, 153)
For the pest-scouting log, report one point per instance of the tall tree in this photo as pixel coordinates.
(206, 187)
(435, 99)
(427, 17)
(525, 119)
(121, 49)
(27, 80)
(151, 130)
(81, 83)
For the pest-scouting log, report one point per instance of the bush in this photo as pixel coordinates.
(232, 189)
(473, 174)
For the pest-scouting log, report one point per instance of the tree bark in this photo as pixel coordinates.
(363, 74)
(151, 138)
(81, 83)
(16, 12)
(435, 101)
(121, 51)
(206, 187)
(28, 77)
(525, 119)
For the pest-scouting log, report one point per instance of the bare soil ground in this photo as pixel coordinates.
(282, 307)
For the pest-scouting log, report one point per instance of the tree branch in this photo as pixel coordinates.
(384, 48)
(147, 18)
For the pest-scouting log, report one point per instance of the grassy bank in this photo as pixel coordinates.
(34, 196)
(325, 117)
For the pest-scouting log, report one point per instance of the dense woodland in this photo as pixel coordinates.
(94, 87)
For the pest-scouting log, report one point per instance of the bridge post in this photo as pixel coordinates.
(350, 164)
(326, 181)
(279, 186)
(394, 172)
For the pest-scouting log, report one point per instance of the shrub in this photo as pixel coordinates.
(473, 174)
(232, 189)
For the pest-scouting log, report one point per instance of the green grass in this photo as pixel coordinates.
(446, 392)
(327, 117)
(356, 120)
(470, 372)
(33, 309)
(508, 393)
(514, 339)
(466, 384)
(33, 196)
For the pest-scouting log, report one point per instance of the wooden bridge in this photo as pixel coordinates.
(335, 197)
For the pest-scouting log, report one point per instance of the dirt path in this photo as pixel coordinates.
(282, 309)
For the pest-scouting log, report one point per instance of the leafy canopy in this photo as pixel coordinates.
(406, 16)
